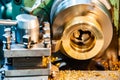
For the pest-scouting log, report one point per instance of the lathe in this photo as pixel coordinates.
(60, 40)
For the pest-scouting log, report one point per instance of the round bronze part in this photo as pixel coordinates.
(82, 47)
(82, 28)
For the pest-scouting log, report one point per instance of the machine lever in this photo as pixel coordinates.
(8, 22)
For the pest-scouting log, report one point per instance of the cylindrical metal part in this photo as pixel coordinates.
(83, 27)
(27, 25)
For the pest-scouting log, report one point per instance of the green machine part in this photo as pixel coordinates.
(45, 5)
(43, 10)
(116, 12)
(17, 4)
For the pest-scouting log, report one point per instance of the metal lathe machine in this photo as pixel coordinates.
(59, 40)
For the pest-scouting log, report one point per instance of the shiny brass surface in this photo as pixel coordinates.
(79, 48)
(83, 28)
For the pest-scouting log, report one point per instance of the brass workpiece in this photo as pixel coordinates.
(83, 29)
